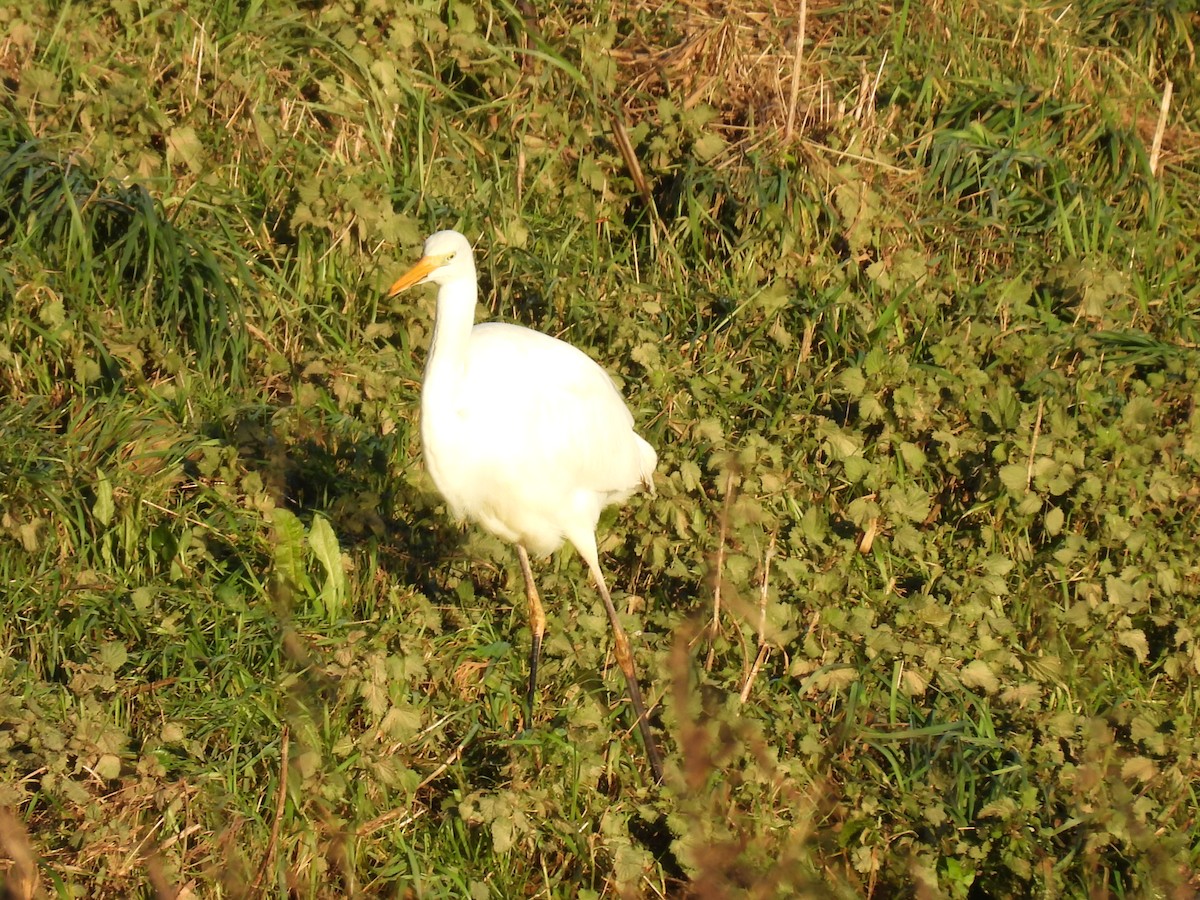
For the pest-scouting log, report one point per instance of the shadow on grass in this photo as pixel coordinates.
(313, 462)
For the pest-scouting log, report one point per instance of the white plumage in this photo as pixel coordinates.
(526, 436)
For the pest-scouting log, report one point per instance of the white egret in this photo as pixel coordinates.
(526, 436)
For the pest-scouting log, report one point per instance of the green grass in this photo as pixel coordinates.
(922, 378)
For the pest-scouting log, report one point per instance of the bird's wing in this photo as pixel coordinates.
(550, 411)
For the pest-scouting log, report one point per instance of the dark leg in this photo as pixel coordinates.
(625, 661)
(537, 625)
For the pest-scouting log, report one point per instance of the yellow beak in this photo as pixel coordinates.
(424, 266)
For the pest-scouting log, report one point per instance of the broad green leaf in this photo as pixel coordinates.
(325, 547)
(709, 147)
(630, 863)
(288, 555)
(978, 674)
(857, 468)
(1014, 477)
(1139, 768)
(401, 723)
(185, 148)
(913, 456)
(375, 697)
(113, 655)
(503, 834)
(108, 766)
(1135, 640)
(104, 507)
(774, 297)
(1120, 592)
(907, 502)
(142, 599)
(853, 382)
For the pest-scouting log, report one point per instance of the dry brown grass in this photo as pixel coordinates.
(767, 68)
(738, 59)
(18, 866)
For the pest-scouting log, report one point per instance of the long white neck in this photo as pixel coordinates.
(451, 335)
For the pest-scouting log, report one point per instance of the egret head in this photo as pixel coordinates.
(447, 257)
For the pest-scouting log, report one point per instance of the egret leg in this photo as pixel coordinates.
(625, 660)
(537, 626)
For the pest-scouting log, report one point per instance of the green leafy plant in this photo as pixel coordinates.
(911, 321)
